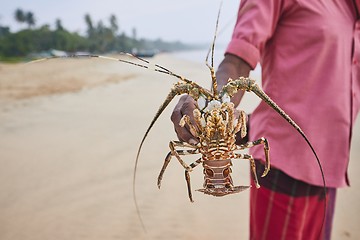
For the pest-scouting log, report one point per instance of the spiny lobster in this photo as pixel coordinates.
(215, 127)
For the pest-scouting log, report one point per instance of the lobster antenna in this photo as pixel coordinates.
(211, 49)
(155, 67)
(157, 115)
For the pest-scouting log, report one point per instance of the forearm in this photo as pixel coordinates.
(232, 67)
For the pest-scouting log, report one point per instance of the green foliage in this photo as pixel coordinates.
(29, 41)
(101, 38)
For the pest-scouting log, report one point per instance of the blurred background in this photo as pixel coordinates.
(37, 27)
(70, 128)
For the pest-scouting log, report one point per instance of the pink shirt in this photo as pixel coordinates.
(310, 56)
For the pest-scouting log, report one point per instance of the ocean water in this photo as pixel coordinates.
(199, 56)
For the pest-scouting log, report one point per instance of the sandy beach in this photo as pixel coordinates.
(69, 133)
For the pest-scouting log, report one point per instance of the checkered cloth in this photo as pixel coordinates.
(286, 208)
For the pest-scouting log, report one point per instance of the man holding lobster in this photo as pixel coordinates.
(310, 57)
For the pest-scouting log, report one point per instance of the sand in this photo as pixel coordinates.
(69, 132)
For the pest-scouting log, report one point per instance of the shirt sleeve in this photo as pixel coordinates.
(256, 22)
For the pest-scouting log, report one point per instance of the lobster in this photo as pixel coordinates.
(215, 127)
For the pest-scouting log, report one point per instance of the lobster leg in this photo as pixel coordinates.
(252, 165)
(188, 168)
(187, 177)
(229, 107)
(241, 125)
(177, 154)
(166, 163)
(266, 150)
(184, 144)
(186, 120)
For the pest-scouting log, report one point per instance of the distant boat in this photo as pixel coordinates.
(144, 53)
(48, 53)
(57, 53)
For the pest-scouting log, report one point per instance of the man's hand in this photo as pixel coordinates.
(185, 106)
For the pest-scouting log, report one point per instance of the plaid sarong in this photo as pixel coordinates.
(286, 208)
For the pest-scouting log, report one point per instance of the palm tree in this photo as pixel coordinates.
(30, 19)
(58, 24)
(20, 16)
(114, 26)
(89, 24)
(134, 33)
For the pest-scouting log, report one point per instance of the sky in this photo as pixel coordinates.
(190, 21)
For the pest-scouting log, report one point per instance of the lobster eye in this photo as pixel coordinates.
(209, 172)
(226, 172)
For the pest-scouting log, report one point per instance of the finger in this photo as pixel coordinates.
(185, 106)
(185, 135)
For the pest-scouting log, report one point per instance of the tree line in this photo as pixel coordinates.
(100, 37)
